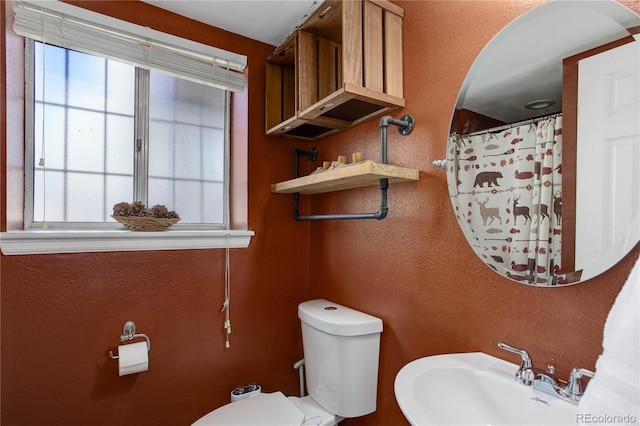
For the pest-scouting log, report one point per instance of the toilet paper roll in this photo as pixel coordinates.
(133, 358)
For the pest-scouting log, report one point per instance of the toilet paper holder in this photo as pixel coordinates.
(129, 333)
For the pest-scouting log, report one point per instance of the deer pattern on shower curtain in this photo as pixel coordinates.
(506, 191)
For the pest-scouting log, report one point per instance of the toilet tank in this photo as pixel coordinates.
(341, 352)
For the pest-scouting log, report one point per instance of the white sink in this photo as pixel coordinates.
(474, 389)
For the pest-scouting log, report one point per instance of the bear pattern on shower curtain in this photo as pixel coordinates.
(506, 191)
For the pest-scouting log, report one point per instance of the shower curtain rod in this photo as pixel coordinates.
(511, 125)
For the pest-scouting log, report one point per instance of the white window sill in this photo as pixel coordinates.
(67, 241)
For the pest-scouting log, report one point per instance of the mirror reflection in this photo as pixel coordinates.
(533, 212)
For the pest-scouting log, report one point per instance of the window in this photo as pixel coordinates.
(127, 112)
(106, 132)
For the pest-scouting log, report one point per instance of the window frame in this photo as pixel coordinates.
(140, 157)
(16, 240)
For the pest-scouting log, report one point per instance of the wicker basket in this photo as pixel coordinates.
(138, 223)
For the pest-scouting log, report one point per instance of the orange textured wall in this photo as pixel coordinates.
(62, 313)
(415, 269)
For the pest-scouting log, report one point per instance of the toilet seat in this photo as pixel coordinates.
(264, 409)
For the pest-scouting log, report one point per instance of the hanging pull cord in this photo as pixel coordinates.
(227, 322)
(227, 295)
(226, 306)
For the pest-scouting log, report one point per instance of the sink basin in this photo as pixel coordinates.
(474, 389)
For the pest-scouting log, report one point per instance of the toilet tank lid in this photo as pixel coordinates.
(336, 319)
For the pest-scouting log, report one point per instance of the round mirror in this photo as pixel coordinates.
(543, 155)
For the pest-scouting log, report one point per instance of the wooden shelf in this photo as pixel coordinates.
(355, 175)
(341, 67)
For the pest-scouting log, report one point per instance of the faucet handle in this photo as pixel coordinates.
(526, 359)
(575, 388)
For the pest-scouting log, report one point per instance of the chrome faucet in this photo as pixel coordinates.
(525, 374)
(546, 381)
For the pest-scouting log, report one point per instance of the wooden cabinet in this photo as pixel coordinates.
(342, 67)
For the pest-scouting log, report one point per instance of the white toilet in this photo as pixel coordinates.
(341, 351)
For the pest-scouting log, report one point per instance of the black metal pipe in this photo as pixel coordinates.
(379, 215)
(405, 126)
(338, 216)
(312, 154)
(383, 141)
(296, 203)
(382, 213)
(387, 120)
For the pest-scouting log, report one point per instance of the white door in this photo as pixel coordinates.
(608, 158)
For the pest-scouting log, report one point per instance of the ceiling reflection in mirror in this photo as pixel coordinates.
(505, 170)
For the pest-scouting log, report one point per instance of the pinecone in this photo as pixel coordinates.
(122, 209)
(138, 208)
(160, 211)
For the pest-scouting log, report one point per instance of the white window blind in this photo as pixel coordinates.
(78, 29)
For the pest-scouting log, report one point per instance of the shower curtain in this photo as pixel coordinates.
(506, 191)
